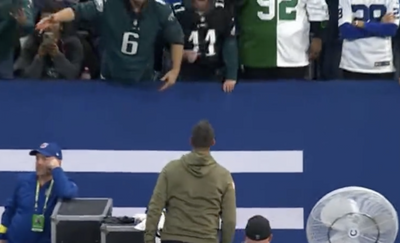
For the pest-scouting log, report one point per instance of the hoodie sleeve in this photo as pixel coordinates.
(228, 212)
(156, 205)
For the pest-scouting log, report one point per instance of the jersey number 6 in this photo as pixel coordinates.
(129, 44)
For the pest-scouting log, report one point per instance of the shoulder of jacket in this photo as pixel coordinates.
(162, 10)
(26, 177)
(172, 165)
(222, 170)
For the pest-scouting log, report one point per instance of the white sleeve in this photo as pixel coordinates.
(345, 12)
(317, 10)
(393, 7)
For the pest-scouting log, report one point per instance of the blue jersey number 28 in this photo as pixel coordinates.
(372, 13)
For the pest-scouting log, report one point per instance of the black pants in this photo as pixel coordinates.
(275, 73)
(367, 76)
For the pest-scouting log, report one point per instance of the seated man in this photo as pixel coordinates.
(210, 43)
(55, 54)
(26, 218)
(258, 230)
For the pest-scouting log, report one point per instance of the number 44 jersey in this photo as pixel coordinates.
(275, 33)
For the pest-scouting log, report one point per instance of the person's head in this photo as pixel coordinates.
(258, 230)
(43, 154)
(201, 5)
(202, 136)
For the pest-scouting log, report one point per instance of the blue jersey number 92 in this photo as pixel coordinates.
(372, 13)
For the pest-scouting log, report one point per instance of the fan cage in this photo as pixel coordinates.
(351, 214)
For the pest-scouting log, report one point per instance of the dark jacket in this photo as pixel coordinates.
(66, 65)
(9, 27)
(19, 208)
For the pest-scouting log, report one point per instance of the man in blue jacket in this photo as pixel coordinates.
(26, 218)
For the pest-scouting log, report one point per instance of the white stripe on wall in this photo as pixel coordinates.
(280, 218)
(153, 161)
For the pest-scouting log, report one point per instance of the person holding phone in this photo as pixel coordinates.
(15, 15)
(26, 218)
(53, 54)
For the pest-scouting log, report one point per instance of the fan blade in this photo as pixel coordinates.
(337, 208)
(385, 222)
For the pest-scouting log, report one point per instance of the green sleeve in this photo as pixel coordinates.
(29, 25)
(231, 57)
(88, 10)
(155, 207)
(172, 30)
(228, 212)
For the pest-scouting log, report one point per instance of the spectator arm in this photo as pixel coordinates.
(317, 28)
(173, 34)
(381, 29)
(28, 26)
(230, 57)
(351, 32)
(176, 55)
(345, 19)
(65, 15)
(88, 11)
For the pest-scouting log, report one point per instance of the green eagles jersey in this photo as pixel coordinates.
(129, 38)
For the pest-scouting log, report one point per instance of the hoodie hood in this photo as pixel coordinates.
(198, 164)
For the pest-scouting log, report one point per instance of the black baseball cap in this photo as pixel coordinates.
(258, 228)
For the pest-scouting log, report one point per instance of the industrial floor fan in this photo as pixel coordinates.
(352, 215)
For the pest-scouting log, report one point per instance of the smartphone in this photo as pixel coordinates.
(48, 38)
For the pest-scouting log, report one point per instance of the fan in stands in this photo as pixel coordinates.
(140, 221)
(352, 215)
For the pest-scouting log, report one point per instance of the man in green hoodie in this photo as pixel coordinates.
(16, 17)
(196, 193)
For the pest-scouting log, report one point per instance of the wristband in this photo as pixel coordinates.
(3, 229)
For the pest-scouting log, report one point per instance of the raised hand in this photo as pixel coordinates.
(45, 23)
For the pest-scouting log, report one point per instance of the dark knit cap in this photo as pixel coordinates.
(258, 228)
